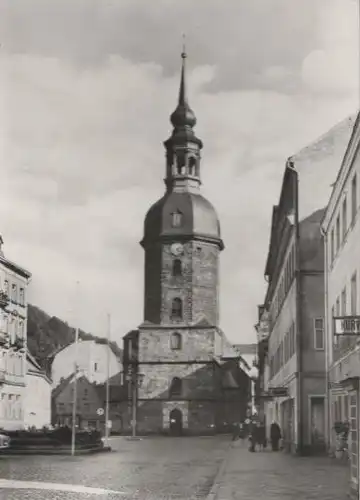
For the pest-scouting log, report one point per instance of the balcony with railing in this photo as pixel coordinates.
(18, 344)
(4, 338)
(4, 299)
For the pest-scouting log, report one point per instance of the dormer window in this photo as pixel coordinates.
(176, 218)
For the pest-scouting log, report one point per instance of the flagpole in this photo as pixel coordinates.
(73, 430)
(74, 404)
(107, 380)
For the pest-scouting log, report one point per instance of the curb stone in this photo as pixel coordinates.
(216, 484)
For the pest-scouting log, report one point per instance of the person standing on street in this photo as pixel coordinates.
(275, 436)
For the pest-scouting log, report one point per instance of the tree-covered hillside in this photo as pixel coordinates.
(47, 334)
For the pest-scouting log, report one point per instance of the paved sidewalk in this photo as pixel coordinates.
(279, 476)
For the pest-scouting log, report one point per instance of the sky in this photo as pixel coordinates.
(86, 90)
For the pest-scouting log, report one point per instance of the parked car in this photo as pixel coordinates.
(4, 441)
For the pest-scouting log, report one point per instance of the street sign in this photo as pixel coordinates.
(100, 411)
(275, 392)
(109, 424)
(347, 325)
(279, 392)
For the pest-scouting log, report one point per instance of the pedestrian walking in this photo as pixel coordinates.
(253, 437)
(275, 436)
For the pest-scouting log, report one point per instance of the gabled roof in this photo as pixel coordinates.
(65, 382)
(228, 381)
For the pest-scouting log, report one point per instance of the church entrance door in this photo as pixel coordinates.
(176, 424)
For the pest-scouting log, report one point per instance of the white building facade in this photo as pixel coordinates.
(13, 324)
(92, 359)
(37, 401)
(341, 228)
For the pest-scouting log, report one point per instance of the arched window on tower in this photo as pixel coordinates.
(176, 308)
(175, 387)
(175, 341)
(177, 267)
(192, 166)
(180, 163)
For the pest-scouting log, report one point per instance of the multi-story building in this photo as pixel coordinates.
(341, 228)
(295, 391)
(96, 361)
(13, 317)
(90, 403)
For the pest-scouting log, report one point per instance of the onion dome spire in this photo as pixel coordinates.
(183, 116)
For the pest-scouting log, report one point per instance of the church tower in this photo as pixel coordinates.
(176, 345)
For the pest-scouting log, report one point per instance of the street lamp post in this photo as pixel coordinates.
(135, 380)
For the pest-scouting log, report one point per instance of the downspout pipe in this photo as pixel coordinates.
(328, 341)
(299, 342)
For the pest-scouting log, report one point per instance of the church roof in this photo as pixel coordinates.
(199, 218)
(228, 380)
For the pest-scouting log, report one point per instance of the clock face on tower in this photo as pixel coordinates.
(177, 249)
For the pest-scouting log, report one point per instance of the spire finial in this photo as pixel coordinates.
(183, 53)
(182, 90)
(183, 116)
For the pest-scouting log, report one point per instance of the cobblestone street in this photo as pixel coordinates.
(150, 469)
(278, 476)
(181, 469)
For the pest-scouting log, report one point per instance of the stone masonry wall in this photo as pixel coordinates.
(197, 286)
(205, 263)
(152, 285)
(197, 345)
(198, 380)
